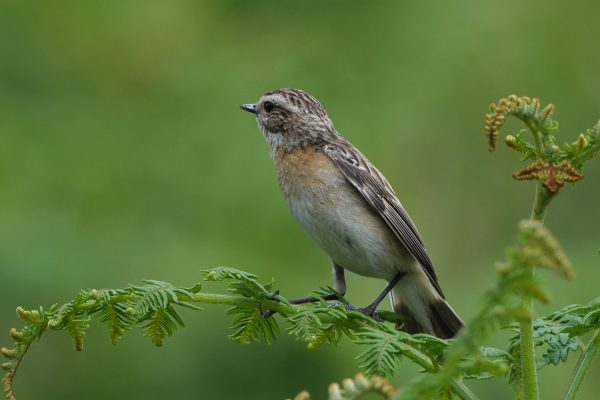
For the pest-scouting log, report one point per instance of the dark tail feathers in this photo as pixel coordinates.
(445, 323)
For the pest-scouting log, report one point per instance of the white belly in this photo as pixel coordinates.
(340, 221)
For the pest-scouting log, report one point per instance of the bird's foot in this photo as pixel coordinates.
(274, 297)
(369, 311)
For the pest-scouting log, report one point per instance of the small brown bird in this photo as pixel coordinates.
(350, 210)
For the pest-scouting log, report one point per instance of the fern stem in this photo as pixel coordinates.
(212, 298)
(543, 197)
(528, 367)
(462, 391)
(527, 346)
(230, 300)
(583, 364)
(458, 387)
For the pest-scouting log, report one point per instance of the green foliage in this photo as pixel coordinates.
(578, 320)
(385, 346)
(36, 322)
(526, 109)
(242, 283)
(249, 325)
(552, 165)
(70, 317)
(464, 356)
(560, 333)
(308, 326)
(539, 120)
(113, 314)
(551, 168)
(153, 306)
(150, 307)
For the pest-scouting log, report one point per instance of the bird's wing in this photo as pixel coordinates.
(376, 190)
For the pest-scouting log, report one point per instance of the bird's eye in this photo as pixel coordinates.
(268, 106)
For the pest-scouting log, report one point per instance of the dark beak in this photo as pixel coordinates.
(251, 108)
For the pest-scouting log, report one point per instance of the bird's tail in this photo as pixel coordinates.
(422, 309)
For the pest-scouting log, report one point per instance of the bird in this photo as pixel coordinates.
(350, 210)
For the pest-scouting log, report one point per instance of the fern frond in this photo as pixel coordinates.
(70, 317)
(486, 363)
(304, 324)
(307, 326)
(113, 313)
(585, 147)
(434, 347)
(540, 248)
(77, 326)
(526, 109)
(244, 283)
(227, 273)
(384, 348)
(160, 323)
(500, 306)
(157, 295)
(559, 332)
(152, 306)
(249, 326)
(36, 323)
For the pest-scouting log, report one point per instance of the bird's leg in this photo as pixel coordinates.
(339, 285)
(370, 309)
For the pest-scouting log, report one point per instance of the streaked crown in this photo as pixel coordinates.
(291, 118)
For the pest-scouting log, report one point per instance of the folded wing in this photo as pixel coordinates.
(376, 190)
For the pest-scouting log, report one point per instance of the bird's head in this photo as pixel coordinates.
(291, 118)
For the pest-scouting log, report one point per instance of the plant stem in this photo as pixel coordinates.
(527, 345)
(528, 365)
(463, 391)
(542, 200)
(459, 388)
(583, 364)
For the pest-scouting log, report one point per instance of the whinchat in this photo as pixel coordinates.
(351, 211)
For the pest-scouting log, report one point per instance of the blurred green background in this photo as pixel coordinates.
(124, 155)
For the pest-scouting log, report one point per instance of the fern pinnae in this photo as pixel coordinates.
(115, 317)
(77, 326)
(304, 323)
(159, 325)
(36, 323)
(380, 356)
(249, 326)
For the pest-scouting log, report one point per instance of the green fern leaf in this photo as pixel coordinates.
(384, 349)
(249, 326)
(36, 324)
(161, 323)
(244, 283)
(69, 317)
(308, 326)
(77, 325)
(223, 273)
(114, 315)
